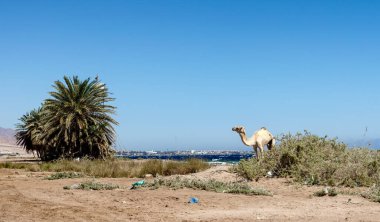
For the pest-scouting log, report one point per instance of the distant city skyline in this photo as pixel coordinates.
(185, 72)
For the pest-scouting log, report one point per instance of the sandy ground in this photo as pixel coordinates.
(8, 150)
(27, 196)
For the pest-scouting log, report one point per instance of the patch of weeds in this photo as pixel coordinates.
(326, 191)
(92, 185)
(64, 175)
(373, 193)
(320, 193)
(332, 192)
(208, 185)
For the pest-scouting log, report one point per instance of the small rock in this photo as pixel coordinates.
(75, 186)
(148, 176)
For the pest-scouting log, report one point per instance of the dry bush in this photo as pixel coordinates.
(373, 193)
(314, 160)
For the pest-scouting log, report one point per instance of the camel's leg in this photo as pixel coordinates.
(255, 149)
(261, 147)
(261, 151)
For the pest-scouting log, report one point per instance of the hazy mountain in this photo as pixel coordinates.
(7, 136)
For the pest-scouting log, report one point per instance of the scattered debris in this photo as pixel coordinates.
(193, 200)
(137, 184)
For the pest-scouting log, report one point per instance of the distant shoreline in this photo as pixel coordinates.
(214, 157)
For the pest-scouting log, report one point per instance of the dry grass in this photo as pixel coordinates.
(115, 167)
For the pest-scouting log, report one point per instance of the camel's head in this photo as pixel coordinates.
(238, 129)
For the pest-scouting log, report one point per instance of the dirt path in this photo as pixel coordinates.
(26, 196)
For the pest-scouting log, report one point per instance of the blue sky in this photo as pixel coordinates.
(185, 72)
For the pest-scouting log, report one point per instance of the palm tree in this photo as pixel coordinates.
(77, 119)
(29, 132)
(74, 122)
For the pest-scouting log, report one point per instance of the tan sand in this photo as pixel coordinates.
(26, 196)
(8, 150)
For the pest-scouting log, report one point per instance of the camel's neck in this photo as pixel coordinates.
(245, 140)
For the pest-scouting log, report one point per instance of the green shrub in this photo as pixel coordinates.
(314, 160)
(320, 193)
(64, 175)
(326, 191)
(92, 185)
(332, 192)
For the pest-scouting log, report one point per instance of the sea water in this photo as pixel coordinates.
(211, 158)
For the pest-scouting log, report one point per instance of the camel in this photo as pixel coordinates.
(259, 139)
